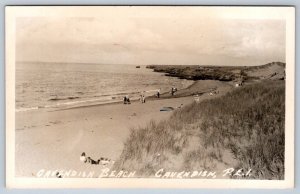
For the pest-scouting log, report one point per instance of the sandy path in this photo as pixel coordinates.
(54, 140)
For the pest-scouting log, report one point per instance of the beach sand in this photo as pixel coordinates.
(53, 139)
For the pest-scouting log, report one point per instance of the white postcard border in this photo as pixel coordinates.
(13, 12)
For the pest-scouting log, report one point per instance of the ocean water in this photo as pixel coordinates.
(45, 85)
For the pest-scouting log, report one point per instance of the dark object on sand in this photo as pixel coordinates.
(126, 100)
(166, 109)
(137, 66)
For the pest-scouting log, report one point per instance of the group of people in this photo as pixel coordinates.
(126, 99)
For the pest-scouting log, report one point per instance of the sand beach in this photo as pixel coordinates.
(53, 139)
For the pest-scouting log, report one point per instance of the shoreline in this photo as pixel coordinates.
(54, 139)
(95, 102)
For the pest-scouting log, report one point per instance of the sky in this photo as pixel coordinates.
(152, 35)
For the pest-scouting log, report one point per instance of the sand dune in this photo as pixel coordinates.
(274, 70)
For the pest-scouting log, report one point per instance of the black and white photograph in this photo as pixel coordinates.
(200, 95)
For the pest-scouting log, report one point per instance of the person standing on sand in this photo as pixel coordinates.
(172, 91)
(143, 99)
(127, 99)
(158, 93)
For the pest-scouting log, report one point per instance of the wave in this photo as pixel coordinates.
(100, 99)
(27, 109)
(66, 98)
(127, 93)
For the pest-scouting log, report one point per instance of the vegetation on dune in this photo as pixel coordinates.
(221, 73)
(246, 123)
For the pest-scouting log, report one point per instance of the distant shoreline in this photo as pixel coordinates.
(221, 73)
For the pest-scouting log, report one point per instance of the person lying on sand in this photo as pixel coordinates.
(102, 161)
(85, 159)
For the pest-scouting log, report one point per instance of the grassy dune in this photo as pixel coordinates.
(245, 127)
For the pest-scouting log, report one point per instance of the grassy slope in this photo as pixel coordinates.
(246, 124)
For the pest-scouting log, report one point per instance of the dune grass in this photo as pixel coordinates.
(246, 124)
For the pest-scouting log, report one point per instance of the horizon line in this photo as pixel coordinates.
(95, 63)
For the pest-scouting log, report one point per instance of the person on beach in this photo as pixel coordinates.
(158, 93)
(127, 99)
(143, 99)
(83, 157)
(173, 90)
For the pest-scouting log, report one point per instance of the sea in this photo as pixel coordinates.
(51, 85)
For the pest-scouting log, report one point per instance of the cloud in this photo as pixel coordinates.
(150, 39)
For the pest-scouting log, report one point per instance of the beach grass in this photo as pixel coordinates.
(244, 127)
